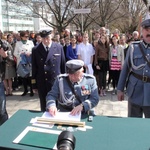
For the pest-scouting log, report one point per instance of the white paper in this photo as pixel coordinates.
(34, 123)
(63, 116)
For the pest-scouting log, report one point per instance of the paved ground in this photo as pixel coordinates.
(108, 105)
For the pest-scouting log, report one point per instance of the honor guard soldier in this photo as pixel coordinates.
(136, 75)
(74, 91)
(48, 61)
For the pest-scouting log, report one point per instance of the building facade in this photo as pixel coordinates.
(17, 18)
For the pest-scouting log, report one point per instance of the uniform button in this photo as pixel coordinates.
(45, 72)
(53, 65)
(46, 79)
(41, 58)
(146, 70)
(45, 65)
(53, 71)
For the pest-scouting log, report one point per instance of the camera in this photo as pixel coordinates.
(4, 45)
(66, 141)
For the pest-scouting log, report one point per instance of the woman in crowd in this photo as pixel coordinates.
(23, 48)
(10, 71)
(37, 39)
(116, 60)
(71, 52)
(102, 63)
(86, 52)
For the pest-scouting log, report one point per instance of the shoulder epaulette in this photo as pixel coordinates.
(89, 75)
(136, 42)
(62, 75)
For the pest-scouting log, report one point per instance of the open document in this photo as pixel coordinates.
(63, 116)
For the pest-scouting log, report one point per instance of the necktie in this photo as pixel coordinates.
(75, 83)
(47, 49)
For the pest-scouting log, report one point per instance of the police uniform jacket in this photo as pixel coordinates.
(138, 91)
(45, 67)
(86, 90)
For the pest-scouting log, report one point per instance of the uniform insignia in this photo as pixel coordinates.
(33, 81)
(56, 54)
(44, 32)
(85, 90)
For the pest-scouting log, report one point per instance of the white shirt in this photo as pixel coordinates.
(86, 51)
(47, 46)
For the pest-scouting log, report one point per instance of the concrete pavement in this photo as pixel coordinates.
(108, 105)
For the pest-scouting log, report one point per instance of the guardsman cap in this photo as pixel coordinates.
(74, 65)
(45, 32)
(146, 23)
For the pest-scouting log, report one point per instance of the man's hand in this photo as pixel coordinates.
(76, 110)
(120, 95)
(35, 90)
(52, 110)
(98, 67)
(28, 54)
(3, 53)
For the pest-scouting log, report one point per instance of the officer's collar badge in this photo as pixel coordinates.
(146, 45)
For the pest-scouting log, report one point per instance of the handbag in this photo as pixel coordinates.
(23, 70)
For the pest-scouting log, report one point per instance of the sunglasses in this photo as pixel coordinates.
(26, 36)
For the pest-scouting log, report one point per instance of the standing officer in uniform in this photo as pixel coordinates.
(76, 92)
(3, 112)
(136, 71)
(48, 61)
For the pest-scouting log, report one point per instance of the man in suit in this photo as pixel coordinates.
(48, 61)
(75, 91)
(136, 71)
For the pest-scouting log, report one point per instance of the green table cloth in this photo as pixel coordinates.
(108, 133)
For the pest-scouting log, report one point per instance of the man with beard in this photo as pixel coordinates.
(136, 71)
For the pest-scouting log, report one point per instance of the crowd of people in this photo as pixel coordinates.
(48, 52)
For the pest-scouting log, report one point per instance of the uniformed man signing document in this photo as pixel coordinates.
(75, 91)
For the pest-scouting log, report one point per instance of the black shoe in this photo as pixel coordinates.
(24, 93)
(31, 94)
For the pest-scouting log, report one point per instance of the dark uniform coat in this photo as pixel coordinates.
(45, 68)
